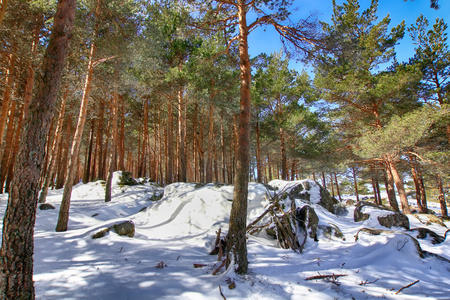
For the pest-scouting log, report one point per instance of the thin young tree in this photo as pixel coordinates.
(16, 253)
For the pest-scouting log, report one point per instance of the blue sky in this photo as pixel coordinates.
(266, 40)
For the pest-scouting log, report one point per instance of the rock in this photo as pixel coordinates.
(307, 221)
(101, 233)
(307, 190)
(46, 206)
(390, 218)
(423, 233)
(124, 229)
(394, 220)
(127, 179)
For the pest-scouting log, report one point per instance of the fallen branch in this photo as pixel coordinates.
(220, 290)
(218, 268)
(368, 282)
(407, 286)
(333, 276)
(200, 265)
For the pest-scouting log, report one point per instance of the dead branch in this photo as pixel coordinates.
(220, 290)
(200, 265)
(219, 267)
(368, 282)
(333, 277)
(407, 286)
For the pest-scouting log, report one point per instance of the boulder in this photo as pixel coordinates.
(394, 220)
(46, 206)
(307, 190)
(388, 217)
(124, 229)
(423, 233)
(307, 221)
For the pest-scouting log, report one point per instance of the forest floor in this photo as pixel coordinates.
(178, 231)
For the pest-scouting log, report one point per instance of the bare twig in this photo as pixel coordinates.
(407, 286)
(333, 276)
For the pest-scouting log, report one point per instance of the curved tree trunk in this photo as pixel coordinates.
(16, 253)
(237, 243)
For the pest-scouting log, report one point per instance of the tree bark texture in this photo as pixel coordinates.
(237, 243)
(16, 253)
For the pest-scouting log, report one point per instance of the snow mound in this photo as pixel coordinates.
(189, 209)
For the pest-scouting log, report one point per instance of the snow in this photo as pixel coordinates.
(179, 230)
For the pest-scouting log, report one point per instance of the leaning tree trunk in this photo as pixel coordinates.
(237, 243)
(389, 183)
(16, 253)
(72, 170)
(400, 187)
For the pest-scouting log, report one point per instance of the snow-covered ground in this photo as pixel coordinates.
(178, 231)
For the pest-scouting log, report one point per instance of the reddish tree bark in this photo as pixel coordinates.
(16, 253)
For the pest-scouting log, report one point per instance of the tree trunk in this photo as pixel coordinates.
(56, 144)
(389, 182)
(284, 174)
(121, 137)
(99, 141)
(417, 185)
(441, 197)
(16, 253)
(112, 157)
(87, 169)
(222, 145)
(7, 95)
(237, 243)
(8, 145)
(209, 161)
(337, 188)
(182, 169)
(400, 187)
(374, 187)
(355, 183)
(258, 152)
(63, 218)
(169, 136)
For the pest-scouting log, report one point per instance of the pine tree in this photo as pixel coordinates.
(16, 253)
